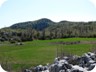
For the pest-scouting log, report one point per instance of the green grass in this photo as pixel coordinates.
(40, 51)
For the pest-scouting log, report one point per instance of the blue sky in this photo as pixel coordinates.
(14, 11)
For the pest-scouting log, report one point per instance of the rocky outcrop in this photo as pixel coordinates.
(84, 63)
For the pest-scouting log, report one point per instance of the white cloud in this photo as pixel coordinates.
(93, 2)
(2, 2)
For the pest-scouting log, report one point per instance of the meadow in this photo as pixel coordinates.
(37, 52)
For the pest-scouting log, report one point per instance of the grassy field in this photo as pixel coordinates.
(40, 51)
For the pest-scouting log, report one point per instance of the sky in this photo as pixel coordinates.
(14, 11)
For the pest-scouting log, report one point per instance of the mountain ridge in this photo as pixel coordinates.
(42, 24)
(37, 24)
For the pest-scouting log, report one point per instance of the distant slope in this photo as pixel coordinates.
(40, 24)
(45, 23)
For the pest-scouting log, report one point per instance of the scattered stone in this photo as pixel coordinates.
(85, 63)
(19, 43)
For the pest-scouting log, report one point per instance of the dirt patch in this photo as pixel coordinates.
(74, 42)
(88, 42)
(66, 43)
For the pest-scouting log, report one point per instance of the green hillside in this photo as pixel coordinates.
(38, 24)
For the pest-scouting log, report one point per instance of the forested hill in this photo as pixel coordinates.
(40, 24)
(46, 29)
(44, 23)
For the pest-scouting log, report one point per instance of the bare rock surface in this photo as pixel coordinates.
(84, 63)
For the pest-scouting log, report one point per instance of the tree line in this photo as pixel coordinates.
(46, 29)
